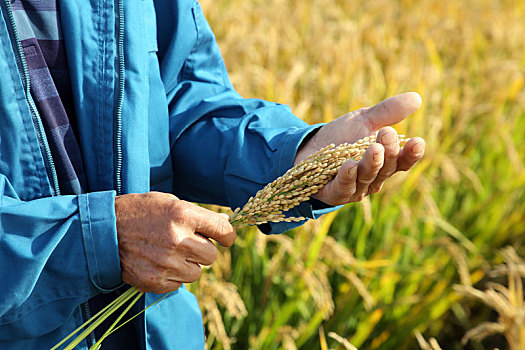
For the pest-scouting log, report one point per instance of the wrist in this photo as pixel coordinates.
(306, 147)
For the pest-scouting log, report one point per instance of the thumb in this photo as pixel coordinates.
(393, 110)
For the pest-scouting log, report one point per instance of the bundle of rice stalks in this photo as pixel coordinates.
(268, 205)
(214, 293)
(507, 301)
(299, 183)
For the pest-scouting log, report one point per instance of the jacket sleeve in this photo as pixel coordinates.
(55, 253)
(224, 147)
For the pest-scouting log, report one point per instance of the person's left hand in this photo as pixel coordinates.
(355, 180)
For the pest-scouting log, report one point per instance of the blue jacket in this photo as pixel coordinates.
(156, 111)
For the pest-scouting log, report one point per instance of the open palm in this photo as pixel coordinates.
(355, 180)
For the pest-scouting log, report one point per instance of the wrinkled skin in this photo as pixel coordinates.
(163, 241)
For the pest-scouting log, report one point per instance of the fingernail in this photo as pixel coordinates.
(378, 157)
(418, 148)
(388, 138)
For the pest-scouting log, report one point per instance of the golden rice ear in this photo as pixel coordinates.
(299, 183)
(507, 300)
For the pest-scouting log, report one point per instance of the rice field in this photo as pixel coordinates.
(399, 270)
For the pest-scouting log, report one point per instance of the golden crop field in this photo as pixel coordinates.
(426, 257)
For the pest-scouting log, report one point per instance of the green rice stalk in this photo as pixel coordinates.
(294, 187)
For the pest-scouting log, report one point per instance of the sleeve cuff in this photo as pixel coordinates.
(304, 209)
(290, 142)
(313, 209)
(99, 232)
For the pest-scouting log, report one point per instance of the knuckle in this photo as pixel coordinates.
(370, 169)
(163, 261)
(169, 263)
(392, 150)
(173, 206)
(225, 232)
(348, 180)
(173, 243)
(366, 180)
(347, 176)
(387, 109)
(174, 211)
(365, 114)
(212, 256)
(415, 158)
(381, 177)
(375, 168)
(387, 173)
(180, 210)
(194, 273)
(175, 239)
(221, 225)
(184, 212)
(376, 165)
(230, 237)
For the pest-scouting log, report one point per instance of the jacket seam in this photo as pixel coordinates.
(195, 46)
(36, 189)
(96, 273)
(100, 73)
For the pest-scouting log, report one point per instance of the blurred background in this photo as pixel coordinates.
(431, 261)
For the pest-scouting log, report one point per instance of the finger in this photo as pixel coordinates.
(213, 225)
(151, 280)
(188, 272)
(388, 138)
(342, 187)
(368, 169)
(167, 287)
(411, 153)
(393, 110)
(200, 250)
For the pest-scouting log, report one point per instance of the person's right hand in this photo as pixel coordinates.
(163, 240)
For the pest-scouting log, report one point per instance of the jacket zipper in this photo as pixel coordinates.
(42, 140)
(90, 339)
(37, 121)
(120, 97)
(21, 63)
(118, 129)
